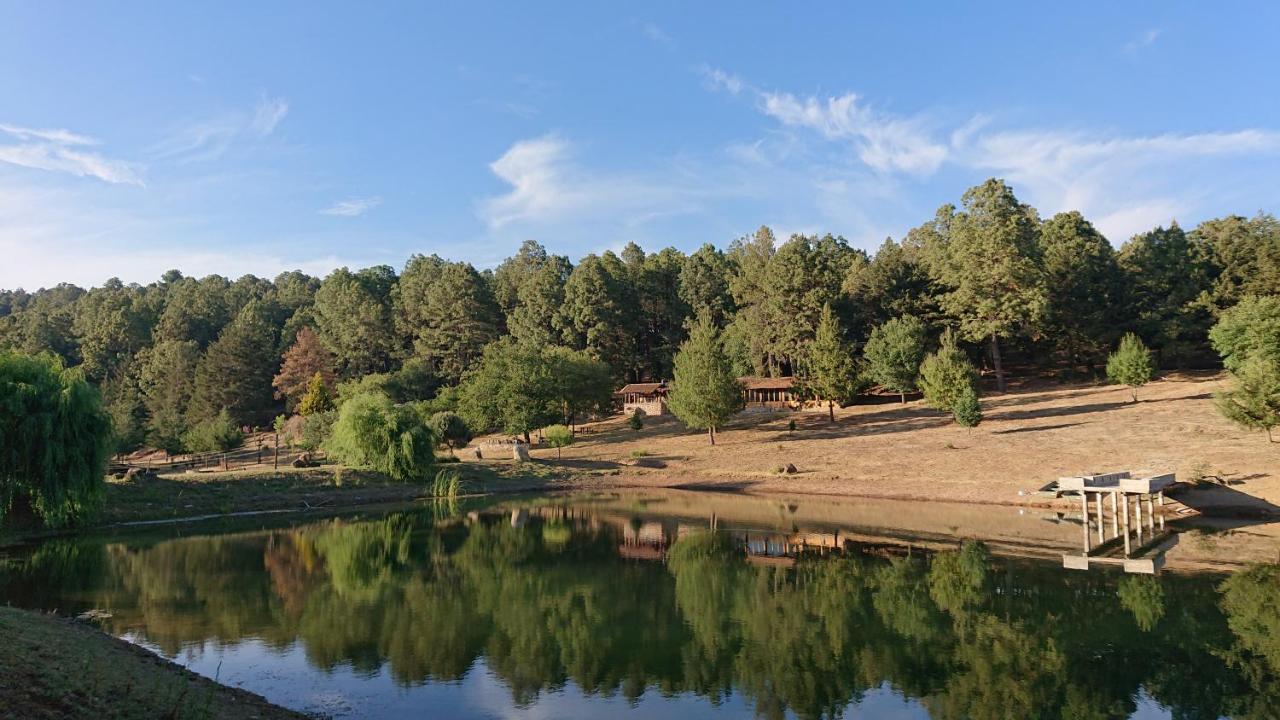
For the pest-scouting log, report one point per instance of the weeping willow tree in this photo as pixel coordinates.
(54, 440)
(372, 432)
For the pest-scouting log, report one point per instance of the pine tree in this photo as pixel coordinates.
(1253, 400)
(447, 312)
(830, 373)
(986, 255)
(236, 371)
(967, 411)
(894, 353)
(1130, 364)
(947, 374)
(704, 392)
(317, 398)
(168, 382)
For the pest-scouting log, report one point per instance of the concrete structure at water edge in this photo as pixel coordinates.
(1135, 537)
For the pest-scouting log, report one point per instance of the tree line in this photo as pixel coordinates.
(183, 354)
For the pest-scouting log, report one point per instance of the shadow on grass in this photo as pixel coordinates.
(1037, 428)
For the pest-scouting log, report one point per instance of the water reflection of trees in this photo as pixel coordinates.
(547, 604)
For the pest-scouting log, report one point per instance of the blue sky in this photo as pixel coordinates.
(257, 137)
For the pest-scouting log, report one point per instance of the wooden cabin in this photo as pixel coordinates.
(774, 393)
(650, 398)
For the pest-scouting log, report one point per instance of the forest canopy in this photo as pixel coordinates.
(1017, 290)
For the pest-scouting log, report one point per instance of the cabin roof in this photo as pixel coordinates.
(753, 382)
(642, 388)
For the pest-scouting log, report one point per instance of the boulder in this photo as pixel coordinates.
(139, 473)
(520, 452)
(790, 469)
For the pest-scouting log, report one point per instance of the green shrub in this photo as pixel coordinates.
(1130, 364)
(636, 421)
(450, 429)
(946, 374)
(967, 411)
(217, 434)
(558, 436)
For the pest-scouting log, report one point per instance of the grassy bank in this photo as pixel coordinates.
(167, 497)
(57, 668)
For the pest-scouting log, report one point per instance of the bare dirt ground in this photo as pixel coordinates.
(1029, 436)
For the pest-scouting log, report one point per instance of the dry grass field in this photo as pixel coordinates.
(1031, 435)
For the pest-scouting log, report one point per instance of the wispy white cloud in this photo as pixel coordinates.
(883, 142)
(51, 233)
(1145, 40)
(267, 115)
(1125, 183)
(655, 33)
(548, 185)
(536, 171)
(718, 79)
(209, 139)
(352, 207)
(61, 150)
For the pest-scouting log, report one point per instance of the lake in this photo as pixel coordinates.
(679, 605)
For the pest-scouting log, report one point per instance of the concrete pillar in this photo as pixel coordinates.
(1101, 525)
(1137, 514)
(1125, 501)
(1115, 518)
(1084, 518)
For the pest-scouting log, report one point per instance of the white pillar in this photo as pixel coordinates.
(1084, 519)
(1101, 526)
(1115, 518)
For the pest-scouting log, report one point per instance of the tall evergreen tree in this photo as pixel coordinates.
(894, 352)
(1245, 254)
(1167, 275)
(831, 374)
(446, 311)
(704, 391)
(600, 313)
(235, 373)
(1084, 285)
(353, 319)
(536, 317)
(987, 257)
(893, 283)
(167, 381)
(704, 285)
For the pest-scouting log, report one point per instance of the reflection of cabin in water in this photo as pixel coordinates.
(774, 393)
(650, 398)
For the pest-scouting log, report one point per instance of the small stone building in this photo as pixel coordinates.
(651, 398)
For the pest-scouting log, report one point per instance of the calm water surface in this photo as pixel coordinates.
(585, 607)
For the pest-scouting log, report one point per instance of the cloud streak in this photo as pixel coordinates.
(209, 139)
(59, 150)
(883, 142)
(547, 185)
(352, 207)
